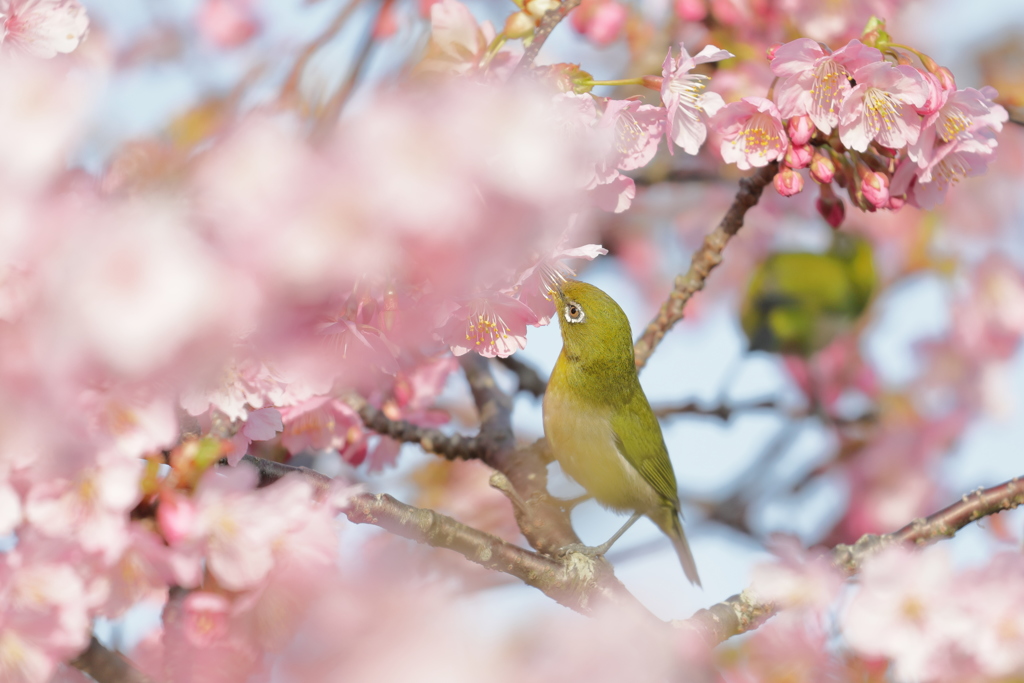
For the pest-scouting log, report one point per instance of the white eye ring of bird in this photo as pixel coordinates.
(574, 313)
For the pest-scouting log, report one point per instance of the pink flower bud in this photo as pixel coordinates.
(945, 77)
(800, 129)
(788, 182)
(691, 10)
(520, 25)
(830, 207)
(653, 82)
(799, 156)
(823, 169)
(770, 52)
(175, 516)
(875, 187)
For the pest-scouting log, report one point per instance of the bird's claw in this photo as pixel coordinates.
(588, 550)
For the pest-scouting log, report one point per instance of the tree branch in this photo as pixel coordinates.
(742, 613)
(570, 582)
(704, 261)
(530, 380)
(107, 666)
(440, 531)
(546, 25)
(723, 411)
(452, 447)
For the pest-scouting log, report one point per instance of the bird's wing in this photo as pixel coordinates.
(639, 440)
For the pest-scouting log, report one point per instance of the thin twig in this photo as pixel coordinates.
(107, 666)
(742, 613)
(546, 25)
(678, 175)
(451, 446)
(291, 85)
(723, 412)
(530, 380)
(704, 261)
(332, 109)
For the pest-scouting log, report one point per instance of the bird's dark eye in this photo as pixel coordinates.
(574, 313)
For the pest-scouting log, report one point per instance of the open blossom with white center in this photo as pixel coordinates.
(752, 132)
(950, 163)
(688, 106)
(881, 107)
(961, 113)
(492, 325)
(42, 28)
(814, 82)
(906, 610)
(627, 137)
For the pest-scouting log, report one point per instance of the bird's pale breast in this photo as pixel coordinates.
(581, 439)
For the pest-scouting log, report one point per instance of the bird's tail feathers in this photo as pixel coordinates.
(672, 525)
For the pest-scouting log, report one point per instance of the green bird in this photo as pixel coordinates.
(599, 424)
(798, 302)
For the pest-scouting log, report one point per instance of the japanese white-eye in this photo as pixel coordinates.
(798, 302)
(598, 422)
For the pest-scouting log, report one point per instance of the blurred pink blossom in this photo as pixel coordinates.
(42, 28)
(227, 23)
(906, 610)
(600, 21)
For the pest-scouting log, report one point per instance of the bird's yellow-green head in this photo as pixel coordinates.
(797, 302)
(594, 327)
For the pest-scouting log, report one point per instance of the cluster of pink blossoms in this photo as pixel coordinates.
(911, 609)
(888, 132)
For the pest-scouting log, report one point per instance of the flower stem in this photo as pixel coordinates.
(639, 80)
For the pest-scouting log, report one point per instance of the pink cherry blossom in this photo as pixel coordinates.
(950, 163)
(227, 23)
(881, 107)
(319, 423)
(907, 609)
(688, 106)
(457, 41)
(799, 579)
(89, 508)
(752, 132)
(634, 132)
(205, 617)
(491, 325)
(814, 82)
(603, 23)
(959, 115)
(537, 281)
(42, 28)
